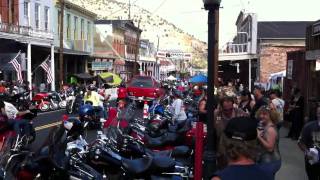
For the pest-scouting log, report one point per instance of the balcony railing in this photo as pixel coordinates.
(235, 49)
(25, 31)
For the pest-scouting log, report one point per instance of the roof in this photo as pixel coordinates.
(120, 23)
(282, 29)
(70, 5)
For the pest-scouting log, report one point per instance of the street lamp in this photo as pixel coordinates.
(213, 21)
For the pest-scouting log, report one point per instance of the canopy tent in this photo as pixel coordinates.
(277, 75)
(171, 78)
(198, 79)
(276, 81)
(111, 78)
(81, 77)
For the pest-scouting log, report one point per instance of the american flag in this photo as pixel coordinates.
(17, 67)
(47, 69)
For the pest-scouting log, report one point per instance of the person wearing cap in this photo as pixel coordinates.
(268, 138)
(240, 144)
(225, 112)
(260, 100)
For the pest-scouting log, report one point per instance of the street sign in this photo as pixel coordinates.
(316, 29)
(96, 66)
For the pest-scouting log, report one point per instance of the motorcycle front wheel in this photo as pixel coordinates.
(44, 107)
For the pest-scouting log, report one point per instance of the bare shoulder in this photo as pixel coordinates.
(215, 178)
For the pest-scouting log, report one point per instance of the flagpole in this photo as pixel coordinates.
(40, 64)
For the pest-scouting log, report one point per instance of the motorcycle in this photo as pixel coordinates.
(10, 140)
(105, 157)
(40, 101)
(62, 158)
(74, 101)
(21, 101)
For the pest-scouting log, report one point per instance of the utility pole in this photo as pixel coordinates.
(129, 16)
(61, 75)
(137, 49)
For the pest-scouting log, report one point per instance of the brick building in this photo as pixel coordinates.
(9, 12)
(260, 48)
(275, 39)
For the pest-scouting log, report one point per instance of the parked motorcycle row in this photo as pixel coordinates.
(125, 147)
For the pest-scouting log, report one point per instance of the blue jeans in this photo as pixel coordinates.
(19, 126)
(271, 168)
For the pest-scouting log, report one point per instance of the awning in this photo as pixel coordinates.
(84, 76)
(72, 52)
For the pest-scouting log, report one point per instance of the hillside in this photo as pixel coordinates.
(153, 26)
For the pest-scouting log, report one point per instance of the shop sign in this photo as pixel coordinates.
(316, 29)
(290, 69)
(102, 65)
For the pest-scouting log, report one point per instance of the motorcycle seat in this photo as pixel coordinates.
(166, 153)
(162, 163)
(137, 166)
(181, 151)
(154, 142)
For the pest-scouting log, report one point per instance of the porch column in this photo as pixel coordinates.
(29, 75)
(249, 75)
(53, 83)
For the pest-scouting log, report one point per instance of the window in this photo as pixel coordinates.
(37, 15)
(68, 27)
(89, 32)
(59, 22)
(75, 30)
(82, 29)
(26, 9)
(46, 18)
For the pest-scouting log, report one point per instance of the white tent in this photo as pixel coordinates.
(171, 78)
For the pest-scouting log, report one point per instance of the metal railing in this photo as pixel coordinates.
(235, 49)
(25, 31)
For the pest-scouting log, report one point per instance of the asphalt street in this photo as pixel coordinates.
(292, 158)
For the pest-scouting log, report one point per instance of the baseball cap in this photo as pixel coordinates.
(241, 128)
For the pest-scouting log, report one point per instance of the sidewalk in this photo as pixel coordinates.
(292, 159)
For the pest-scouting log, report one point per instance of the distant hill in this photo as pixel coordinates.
(170, 36)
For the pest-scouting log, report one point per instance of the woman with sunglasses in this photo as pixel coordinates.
(268, 138)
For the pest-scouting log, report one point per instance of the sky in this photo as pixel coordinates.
(190, 16)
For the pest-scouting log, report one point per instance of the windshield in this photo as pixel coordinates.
(146, 83)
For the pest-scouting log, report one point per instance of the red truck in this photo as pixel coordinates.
(143, 88)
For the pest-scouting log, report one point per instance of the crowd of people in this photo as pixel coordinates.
(247, 125)
(269, 112)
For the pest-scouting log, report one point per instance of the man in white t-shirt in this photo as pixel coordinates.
(179, 115)
(278, 105)
(11, 112)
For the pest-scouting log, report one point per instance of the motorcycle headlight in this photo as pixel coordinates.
(98, 151)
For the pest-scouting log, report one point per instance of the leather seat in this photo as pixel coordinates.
(162, 163)
(137, 166)
(179, 151)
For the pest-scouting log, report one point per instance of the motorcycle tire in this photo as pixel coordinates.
(44, 107)
(54, 106)
(62, 105)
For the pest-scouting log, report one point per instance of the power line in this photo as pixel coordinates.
(158, 7)
(114, 12)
